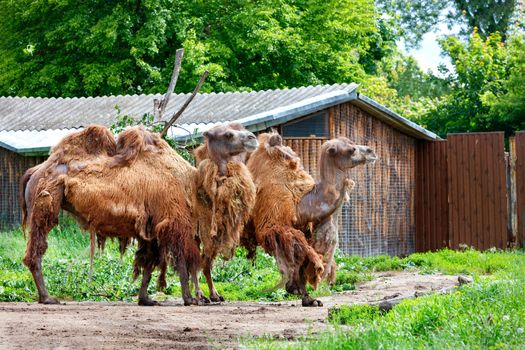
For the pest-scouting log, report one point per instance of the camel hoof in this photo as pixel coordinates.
(191, 301)
(204, 300)
(148, 302)
(216, 298)
(310, 302)
(49, 301)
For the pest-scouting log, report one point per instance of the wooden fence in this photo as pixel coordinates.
(517, 177)
(465, 192)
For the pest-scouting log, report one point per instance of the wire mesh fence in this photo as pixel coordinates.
(380, 216)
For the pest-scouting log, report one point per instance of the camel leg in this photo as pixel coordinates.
(214, 295)
(44, 217)
(297, 286)
(144, 299)
(198, 291)
(185, 283)
(307, 300)
(146, 259)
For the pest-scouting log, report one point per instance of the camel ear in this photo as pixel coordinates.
(206, 134)
(332, 150)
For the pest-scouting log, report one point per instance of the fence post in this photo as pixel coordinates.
(511, 190)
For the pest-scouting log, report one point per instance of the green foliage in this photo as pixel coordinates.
(414, 18)
(484, 71)
(67, 48)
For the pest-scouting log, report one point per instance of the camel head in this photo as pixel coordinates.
(344, 154)
(226, 141)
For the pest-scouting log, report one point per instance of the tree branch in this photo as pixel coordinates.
(159, 107)
(185, 105)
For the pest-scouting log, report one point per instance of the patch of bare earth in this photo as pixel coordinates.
(89, 325)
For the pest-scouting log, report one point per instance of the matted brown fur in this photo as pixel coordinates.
(223, 205)
(137, 188)
(281, 183)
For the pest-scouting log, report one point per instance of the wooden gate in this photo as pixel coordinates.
(468, 170)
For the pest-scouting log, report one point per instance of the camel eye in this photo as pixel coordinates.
(229, 135)
(351, 150)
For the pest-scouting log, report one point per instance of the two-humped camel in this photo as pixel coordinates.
(223, 204)
(289, 203)
(138, 187)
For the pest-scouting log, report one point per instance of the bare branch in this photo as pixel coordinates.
(185, 105)
(160, 107)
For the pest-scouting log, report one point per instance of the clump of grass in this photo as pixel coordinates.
(353, 314)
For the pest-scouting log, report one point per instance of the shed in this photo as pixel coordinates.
(380, 217)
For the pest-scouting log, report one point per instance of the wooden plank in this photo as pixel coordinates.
(473, 218)
(502, 190)
(513, 212)
(477, 191)
(520, 188)
(451, 173)
(420, 234)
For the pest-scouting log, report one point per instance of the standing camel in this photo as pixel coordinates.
(289, 202)
(135, 188)
(224, 201)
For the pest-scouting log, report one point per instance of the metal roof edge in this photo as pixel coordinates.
(26, 152)
(394, 119)
(9, 147)
(276, 116)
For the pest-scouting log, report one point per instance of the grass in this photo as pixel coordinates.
(66, 269)
(489, 313)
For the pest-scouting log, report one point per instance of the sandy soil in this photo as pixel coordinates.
(89, 325)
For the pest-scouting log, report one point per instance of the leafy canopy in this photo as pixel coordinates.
(71, 48)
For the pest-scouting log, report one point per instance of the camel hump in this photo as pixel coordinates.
(201, 153)
(93, 140)
(134, 141)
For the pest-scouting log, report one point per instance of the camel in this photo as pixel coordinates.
(224, 201)
(136, 188)
(303, 205)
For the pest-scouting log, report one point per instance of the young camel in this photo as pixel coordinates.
(303, 203)
(224, 201)
(136, 188)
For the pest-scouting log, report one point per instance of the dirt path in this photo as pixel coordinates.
(90, 325)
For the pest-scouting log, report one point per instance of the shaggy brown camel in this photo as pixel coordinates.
(224, 201)
(136, 188)
(280, 224)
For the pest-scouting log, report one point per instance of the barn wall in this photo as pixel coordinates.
(12, 167)
(380, 217)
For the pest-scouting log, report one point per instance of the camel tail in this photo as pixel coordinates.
(22, 198)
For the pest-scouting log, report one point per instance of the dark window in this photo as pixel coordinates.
(314, 126)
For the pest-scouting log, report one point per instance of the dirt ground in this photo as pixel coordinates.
(90, 325)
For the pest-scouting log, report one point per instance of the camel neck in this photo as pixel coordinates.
(326, 196)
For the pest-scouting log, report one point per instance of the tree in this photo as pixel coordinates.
(487, 16)
(415, 18)
(487, 84)
(100, 47)
(509, 107)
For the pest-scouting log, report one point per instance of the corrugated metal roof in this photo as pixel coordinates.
(35, 113)
(34, 125)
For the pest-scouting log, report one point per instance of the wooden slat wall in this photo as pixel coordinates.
(380, 217)
(520, 186)
(431, 196)
(477, 190)
(12, 168)
(308, 150)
